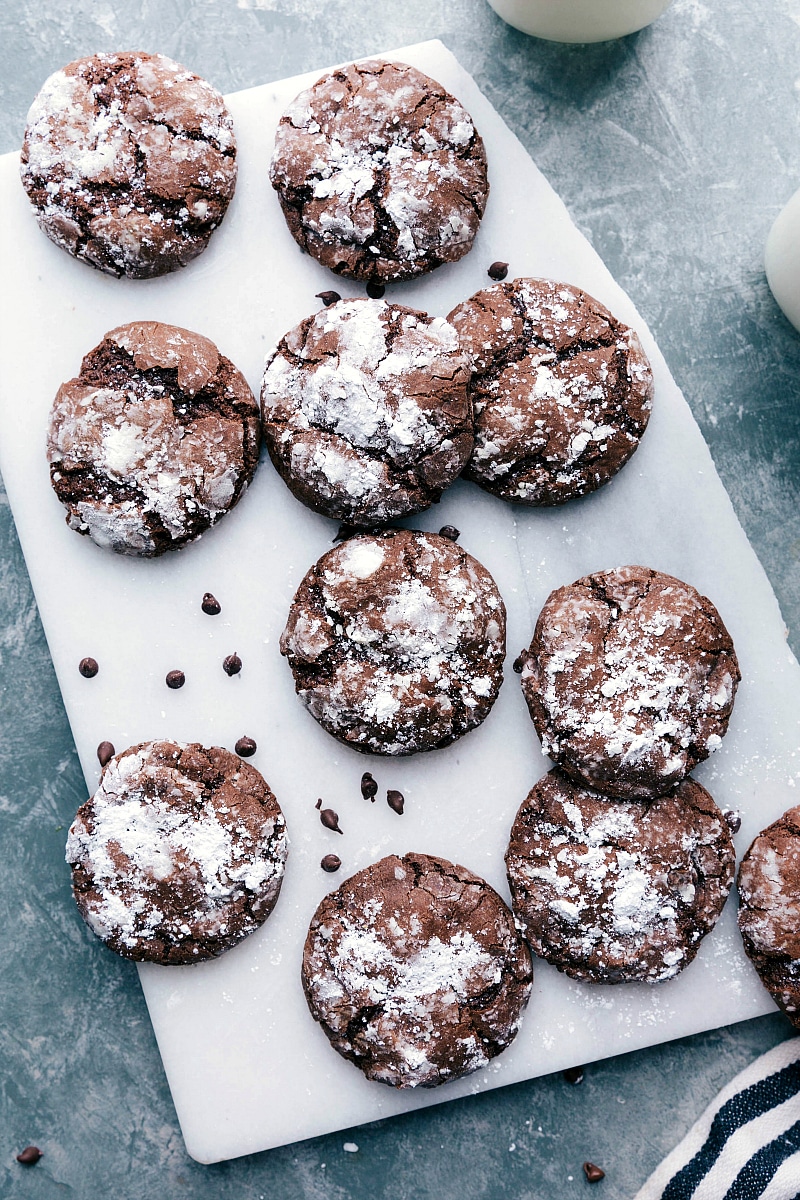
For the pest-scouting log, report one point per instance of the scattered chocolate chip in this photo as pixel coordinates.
(344, 532)
(498, 270)
(29, 1156)
(733, 819)
(329, 818)
(245, 747)
(593, 1173)
(211, 605)
(105, 753)
(175, 679)
(331, 863)
(518, 664)
(450, 532)
(232, 665)
(328, 298)
(369, 788)
(573, 1075)
(396, 801)
(375, 290)
(88, 667)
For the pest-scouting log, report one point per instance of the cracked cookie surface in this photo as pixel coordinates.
(153, 441)
(179, 854)
(610, 892)
(365, 411)
(630, 680)
(380, 172)
(562, 391)
(769, 910)
(129, 161)
(416, 971)
(396, 642)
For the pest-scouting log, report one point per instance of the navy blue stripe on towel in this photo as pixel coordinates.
(738, 1111)
(754, 1177)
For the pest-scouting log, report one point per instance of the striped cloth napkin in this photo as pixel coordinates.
(746, 1145)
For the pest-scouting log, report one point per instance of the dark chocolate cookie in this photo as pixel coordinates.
(415, 971)
(365, 410)
(178, 855)
(611, 892)
(129, 161)
(396, 642)
(562, 390)
(769, 910)
(380, 172)
(154, 441)
(630, 680)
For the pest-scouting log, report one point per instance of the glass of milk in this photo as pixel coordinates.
(579, 20)
(782, 260)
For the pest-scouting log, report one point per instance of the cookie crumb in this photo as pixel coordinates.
(733, 819)
(245, 747)
(88, 667)
(175, 679)
(105, 752)
(211, 605)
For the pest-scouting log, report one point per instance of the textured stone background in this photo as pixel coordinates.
(674, 150)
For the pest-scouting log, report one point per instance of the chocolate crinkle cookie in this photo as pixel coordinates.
(769, 910)
(154, 441)
(562, 390)
(380, 172)
(179, 854)
(630, 680)
(396, 642)
(365, 411)
(129, 161)
(610, 892)
(416, 972)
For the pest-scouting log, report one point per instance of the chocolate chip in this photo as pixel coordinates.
(369, 788)
(105, 753)
(573, 1075)
(733, 819)
(375, 290)
(211, 605)
(344, 532)
(331, 863)
(498, 270)
(88, 667)
(29, 1156)
(396, 801)
(232, 665)
(518, 664)
(593, 1173)
(175, 679)
(328, 298)
(329, 818)
(245, 747)
(450, 532)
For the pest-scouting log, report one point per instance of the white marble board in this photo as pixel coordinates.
(247, 1066)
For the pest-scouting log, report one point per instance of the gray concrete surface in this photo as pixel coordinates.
(674, 150)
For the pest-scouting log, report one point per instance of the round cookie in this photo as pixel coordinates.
(610, 892)
(562, 390)
(769, 910)
(365, 411)
(154, 441)
(630, 680)
(415, 971)
(129, 161)
(396, 642)
(380, 172)
(179, 854)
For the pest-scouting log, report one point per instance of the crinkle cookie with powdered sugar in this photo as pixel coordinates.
(396, 642)
(365, 411)
(380, 172)
(630, 680)
(179, 854)
(129, 161)
(562, 390)
(154, 441)
(415, 971)
(610, 892)
(769, 910)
